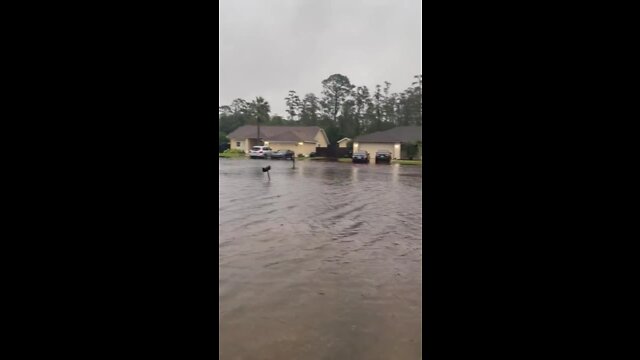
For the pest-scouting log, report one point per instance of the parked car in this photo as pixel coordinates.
(283, 154)
(383, 156)
(360, 157)
(260, 152)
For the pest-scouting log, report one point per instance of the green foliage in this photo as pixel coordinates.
(343, 111)
(233, 151)
(222, 138)
(278, 120)
(407, 162)
(294, 105)
(309, 110)
(333, 133)
(336, 88)
(259, 110)
(412, 150)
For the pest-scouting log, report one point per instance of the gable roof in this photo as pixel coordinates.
(400, 134)
(343, 140)
(277, 133)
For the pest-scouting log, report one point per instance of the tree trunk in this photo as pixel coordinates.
(258, 121)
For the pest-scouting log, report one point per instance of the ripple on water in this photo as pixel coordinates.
(321, 262)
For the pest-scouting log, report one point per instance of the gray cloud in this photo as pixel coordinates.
(268, 47)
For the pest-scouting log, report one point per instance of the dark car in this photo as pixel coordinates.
(383, 156)
(283, 154)
(360, 157)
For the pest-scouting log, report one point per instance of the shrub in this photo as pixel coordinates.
(300, 155)
(233, 151)
(412, 150)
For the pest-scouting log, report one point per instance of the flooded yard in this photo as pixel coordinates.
(323, 261)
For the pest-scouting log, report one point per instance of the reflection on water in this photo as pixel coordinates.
(321, 262)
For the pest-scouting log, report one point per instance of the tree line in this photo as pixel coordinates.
(343, 109)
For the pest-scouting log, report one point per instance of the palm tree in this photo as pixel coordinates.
(260, 108)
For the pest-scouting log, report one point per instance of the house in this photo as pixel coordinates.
(397, 140)
(343, 143)
(299, 139)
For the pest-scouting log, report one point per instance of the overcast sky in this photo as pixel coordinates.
(268, 47)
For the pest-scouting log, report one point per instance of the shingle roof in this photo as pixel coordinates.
(400, 134)
(276, 133)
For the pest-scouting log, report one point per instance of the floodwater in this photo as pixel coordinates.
(323, 261)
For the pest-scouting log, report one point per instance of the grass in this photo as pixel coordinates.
(407, 162)
(231, 155)
(348, 160)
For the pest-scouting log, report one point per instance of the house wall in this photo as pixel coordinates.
(373, 147)
(245, 144)
(344, 144)
(319, 138)
(305, 149)
(274, 145)
(234, 144)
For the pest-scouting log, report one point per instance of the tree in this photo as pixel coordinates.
(361, 96)
(333, 134)
(239, 106)
(224, 110)
(260, 109)
(336, 88)
(389, 105)
(347, 120)
(378, 102)
(293, 105)
(413, 149)
(222, 138)
(348, 110)
(277, 120)
(418, 92)
(230, 117)
(310, 109)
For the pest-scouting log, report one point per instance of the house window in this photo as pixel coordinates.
(237, 143)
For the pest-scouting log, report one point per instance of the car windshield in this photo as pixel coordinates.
(256, 148)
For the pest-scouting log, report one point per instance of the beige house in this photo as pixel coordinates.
(396, 140)
(344, 143)
(299, 139)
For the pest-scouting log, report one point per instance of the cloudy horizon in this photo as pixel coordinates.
(268, 47)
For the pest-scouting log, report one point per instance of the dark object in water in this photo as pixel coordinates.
(266, 169)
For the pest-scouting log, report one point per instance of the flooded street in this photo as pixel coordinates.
(323, 261)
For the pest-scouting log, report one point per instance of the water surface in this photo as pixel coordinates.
(321, 262)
